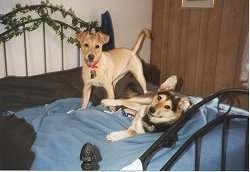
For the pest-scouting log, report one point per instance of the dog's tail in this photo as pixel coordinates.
(144, 33)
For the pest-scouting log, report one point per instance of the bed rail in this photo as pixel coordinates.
(23, 19)
(168, 138)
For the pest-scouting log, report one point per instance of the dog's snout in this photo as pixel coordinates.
(152, 109)
(91, 57)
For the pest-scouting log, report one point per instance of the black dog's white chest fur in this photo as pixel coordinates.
(149, 126)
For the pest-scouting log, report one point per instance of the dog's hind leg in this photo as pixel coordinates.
(136, 69)
(140, 78)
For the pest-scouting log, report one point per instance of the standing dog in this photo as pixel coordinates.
(105, 69)
(154, 111)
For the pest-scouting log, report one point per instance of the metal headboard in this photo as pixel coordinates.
(22, 20)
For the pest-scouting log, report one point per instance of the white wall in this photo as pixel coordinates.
(128, 17)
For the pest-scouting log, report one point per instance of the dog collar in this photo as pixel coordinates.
(93, 65)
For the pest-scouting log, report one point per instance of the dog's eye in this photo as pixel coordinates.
(97, 46)
(86, 45)
(167, 107)
(159, 98)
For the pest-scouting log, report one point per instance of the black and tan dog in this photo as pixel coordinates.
(153, 111)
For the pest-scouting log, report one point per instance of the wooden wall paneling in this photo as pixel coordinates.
(202, 47)
(228, 43)
(157, 30)
(165, 41)
(192, 46)
(183, 44)
(210, 57)
(173, 37)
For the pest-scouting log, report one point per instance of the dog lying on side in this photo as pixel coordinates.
(105, 69)
(154, 112)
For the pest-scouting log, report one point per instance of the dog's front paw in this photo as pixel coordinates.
(113, 137)
(110, 102)
(83, 107)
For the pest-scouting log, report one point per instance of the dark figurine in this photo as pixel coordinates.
(90, 156)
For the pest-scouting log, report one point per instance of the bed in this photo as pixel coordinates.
(43, 127)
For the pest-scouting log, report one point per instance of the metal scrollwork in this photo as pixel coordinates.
(226, 102)
(43, 12)
(14, 21)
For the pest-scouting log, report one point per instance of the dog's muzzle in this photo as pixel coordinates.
(149, 112)
(91, 57)
(151, 109)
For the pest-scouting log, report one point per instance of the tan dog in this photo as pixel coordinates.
(105, 69)
(154, 112)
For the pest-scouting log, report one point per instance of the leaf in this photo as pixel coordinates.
(64, 14)
(18, 6)
(74, 22)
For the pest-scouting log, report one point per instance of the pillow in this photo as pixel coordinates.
(19, 92)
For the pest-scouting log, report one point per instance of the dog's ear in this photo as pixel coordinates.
(103, 38)
(169, 84)
(183, 104)
(81, 36)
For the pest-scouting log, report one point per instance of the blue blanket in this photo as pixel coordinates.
(62, 129)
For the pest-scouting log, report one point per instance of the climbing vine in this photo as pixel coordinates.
(30, 17)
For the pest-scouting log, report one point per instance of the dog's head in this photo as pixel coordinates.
(166, 107)
(91, 45)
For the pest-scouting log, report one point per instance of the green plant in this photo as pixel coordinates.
(30, 17)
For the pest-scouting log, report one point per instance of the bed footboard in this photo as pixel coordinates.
(228, 101)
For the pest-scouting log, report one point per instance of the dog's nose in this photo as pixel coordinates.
(91, 57)
(152, 109)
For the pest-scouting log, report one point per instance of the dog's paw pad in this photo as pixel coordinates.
(112, 137)
(109, 137)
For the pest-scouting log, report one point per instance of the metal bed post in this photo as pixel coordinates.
(5, 58)
(62, 47)
(224, 138)
(247, 147)
(197, 153)
(44, 49)
(78, 55)
(25, 52)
